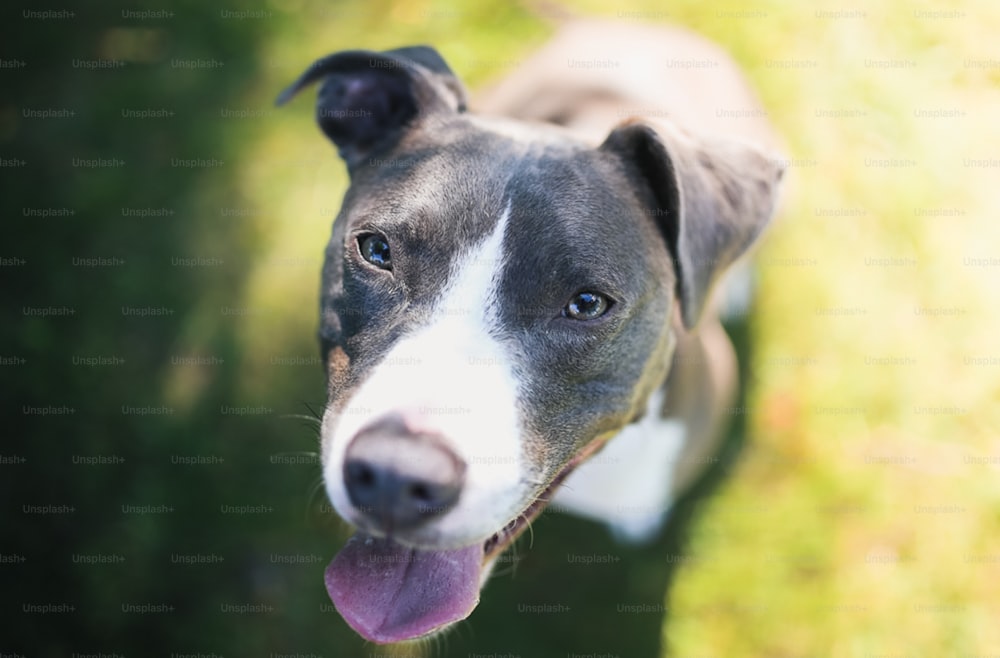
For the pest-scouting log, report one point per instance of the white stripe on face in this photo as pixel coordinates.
(451, 377)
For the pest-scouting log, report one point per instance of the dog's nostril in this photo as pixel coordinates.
(366, 476)
(360, 474)
(421, 492)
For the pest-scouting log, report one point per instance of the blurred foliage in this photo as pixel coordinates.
(831, 535)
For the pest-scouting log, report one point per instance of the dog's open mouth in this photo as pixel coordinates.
(389, 592)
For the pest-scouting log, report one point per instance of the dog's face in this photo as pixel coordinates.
(497, 302)
(493, 299)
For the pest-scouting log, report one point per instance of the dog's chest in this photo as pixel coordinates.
(628, 484)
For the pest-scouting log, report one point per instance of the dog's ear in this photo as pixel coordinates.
(712, 198)
(368, 99)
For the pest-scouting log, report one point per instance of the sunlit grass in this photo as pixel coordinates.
(865, 520)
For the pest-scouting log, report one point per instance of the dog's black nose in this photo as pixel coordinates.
(398, 478)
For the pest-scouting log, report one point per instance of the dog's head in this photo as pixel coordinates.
(497, 302)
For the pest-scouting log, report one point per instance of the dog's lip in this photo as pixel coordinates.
(506, 536)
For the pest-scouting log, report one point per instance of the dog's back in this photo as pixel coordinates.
(592, 75)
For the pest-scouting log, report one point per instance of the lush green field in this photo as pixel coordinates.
(860, 520)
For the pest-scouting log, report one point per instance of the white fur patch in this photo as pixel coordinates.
(627, 484)
(452, 377)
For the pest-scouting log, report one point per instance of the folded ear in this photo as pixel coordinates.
(369, 99)
(712, 199)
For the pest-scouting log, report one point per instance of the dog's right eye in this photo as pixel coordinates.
(375, 249)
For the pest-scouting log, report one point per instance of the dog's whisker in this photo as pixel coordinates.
(312, 421)
(312, 455)
(317, 486)
(317, 416)
(531, 532)
(316, 490)
(313, 418)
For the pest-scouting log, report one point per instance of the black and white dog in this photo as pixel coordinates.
(508, 292)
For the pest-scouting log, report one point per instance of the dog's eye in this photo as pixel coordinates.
(587, 306)
(375, 249)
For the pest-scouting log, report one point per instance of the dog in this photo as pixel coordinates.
(510, 291)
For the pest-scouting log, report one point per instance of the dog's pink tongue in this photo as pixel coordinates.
(390, 593)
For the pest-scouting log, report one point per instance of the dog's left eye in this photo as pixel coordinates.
(375, 249)
(587, 306)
